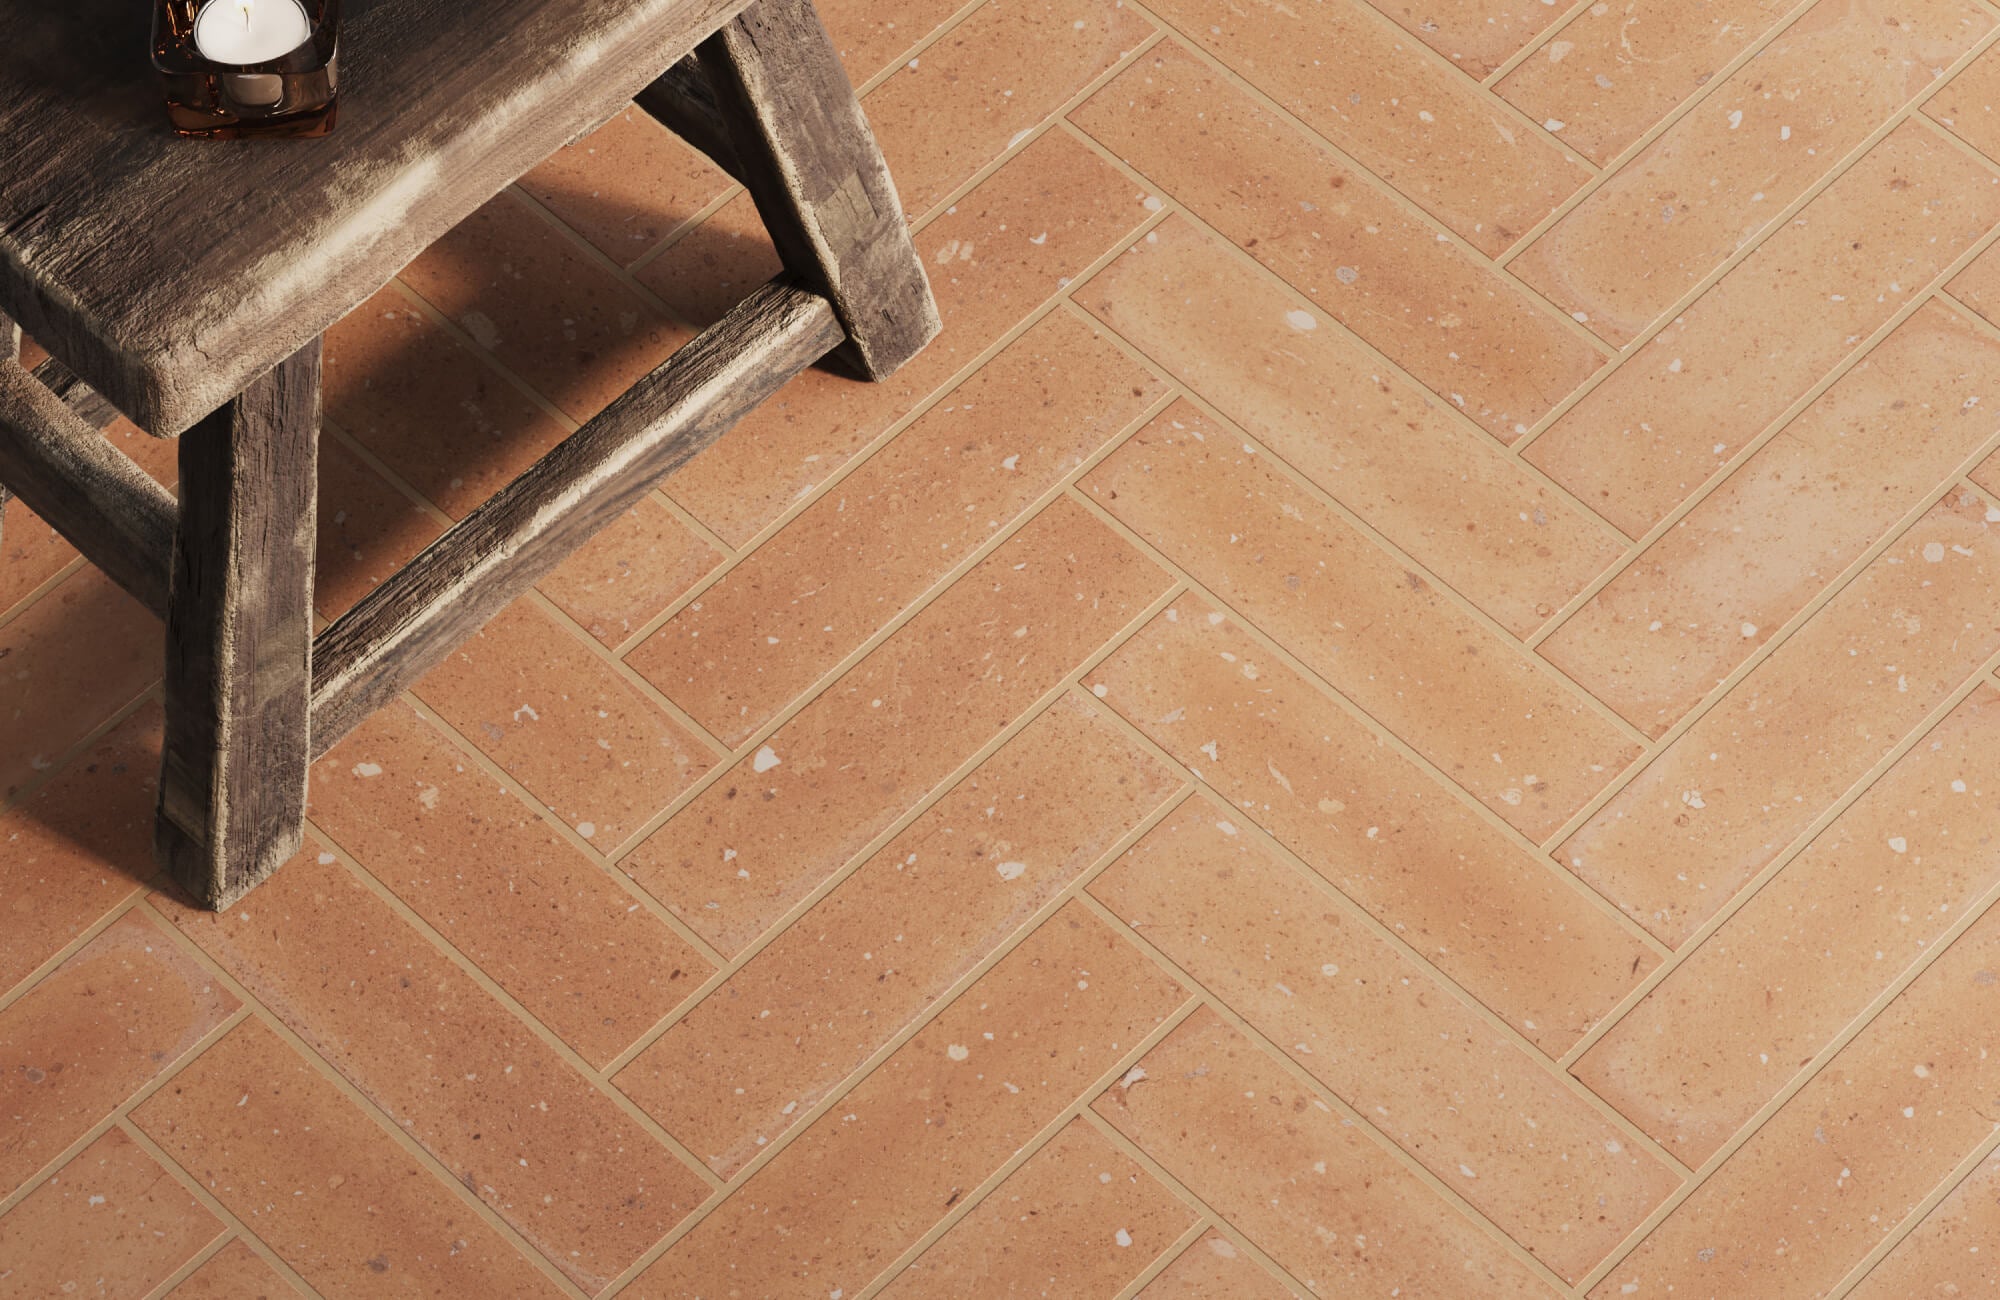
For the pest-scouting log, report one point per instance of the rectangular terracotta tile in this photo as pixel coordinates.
(1615, 69)
(1213, 1267)
(993, 260)
(367, 529)
(1978, 285)
(1755, 551)
(111, 1222)
(527, 1134)
(1397, 109)
(1476, 35)
(931, 1123)
(1718, 804)
(1718, 177)
(80, 845)
(1336, 1210)
(522, 291)
(320, 1184)
(576, 734)
(1476, 705)
(1472, 335)
(1377, 1028)
(1969, 104)
(1950, 1253)
(543, 921)
(779, 822)
(1732, 1024)
(1079, 1219)
(1492, 916)
(124, 1007)
(1687, 401)
(782, 618)
(1376, 443)
(235, 1272)
(74, 657)
(1850, 1154)
(627, 185)
(446, 422)
(878, 951)
(623, 577)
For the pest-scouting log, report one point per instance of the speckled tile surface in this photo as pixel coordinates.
(1403, 704)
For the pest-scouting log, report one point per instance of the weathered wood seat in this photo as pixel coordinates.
(186, 283)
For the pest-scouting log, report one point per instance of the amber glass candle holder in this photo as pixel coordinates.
(247, 67)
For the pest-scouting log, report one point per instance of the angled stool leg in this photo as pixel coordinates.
(239, 637)
(809, 160)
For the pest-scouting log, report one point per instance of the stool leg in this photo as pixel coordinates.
(239, 638)
(811, 163)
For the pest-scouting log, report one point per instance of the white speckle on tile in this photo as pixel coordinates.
(1934, 552)
(1301, 320)
(958, 1051)
(367, 769)
(1122, 1237)
(1554, 123)
(1011, 870)
(1735, 118)
(766, 759)
(1748, 629)
(586, 829)
(1897, 844)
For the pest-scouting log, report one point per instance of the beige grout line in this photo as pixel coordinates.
(233, 1228)
(1384, 734)
(1338, 1105)
(1779, 221)
(1533, 46)
(1354, 519)
(1237, 253)
(631, 676)
(1382, 931)
(484, 762)
(833, 1098)
(223, 1236)
(376, 1113)
(1797, 1083)
(905, 819)
(29, 982)
(1400, 201)
(1214, 1219)
(839, 1090)
(1786, 854)
(529, 1020)
(75, 564)
(1031, 1148)
(110, 1119)
(1790, 628)
(973, 557)
(944, 390)
(1618, 162)
(1180, 1245)
(1914, 1219)
(40, 781)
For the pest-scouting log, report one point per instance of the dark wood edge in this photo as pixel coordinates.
(682, 101)
(455, 585)
(87, 402)
(85, 488)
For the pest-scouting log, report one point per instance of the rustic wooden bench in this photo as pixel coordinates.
(186, 283)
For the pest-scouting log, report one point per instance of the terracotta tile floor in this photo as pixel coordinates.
(1403, 705)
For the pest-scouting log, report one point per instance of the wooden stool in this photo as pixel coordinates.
(186, 283)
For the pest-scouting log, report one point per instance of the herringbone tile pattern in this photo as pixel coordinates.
(1403, 704)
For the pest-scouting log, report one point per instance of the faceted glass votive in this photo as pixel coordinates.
(235, 68)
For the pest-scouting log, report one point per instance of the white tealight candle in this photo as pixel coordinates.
(250, 31)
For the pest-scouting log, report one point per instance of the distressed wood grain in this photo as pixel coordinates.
(809, 160)
(239, 637)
